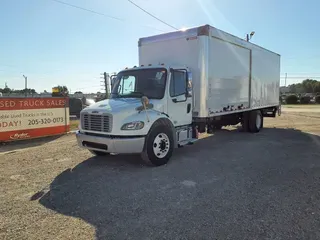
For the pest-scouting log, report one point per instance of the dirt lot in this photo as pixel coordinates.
(232, 185)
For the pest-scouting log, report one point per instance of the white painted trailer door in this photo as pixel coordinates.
(228, 76)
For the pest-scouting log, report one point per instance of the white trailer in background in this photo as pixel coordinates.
(187, 82)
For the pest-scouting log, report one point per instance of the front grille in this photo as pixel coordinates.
(95, 122)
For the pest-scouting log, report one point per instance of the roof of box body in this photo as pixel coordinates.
(204, 30)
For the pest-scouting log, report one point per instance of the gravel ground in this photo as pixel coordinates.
(231, 185)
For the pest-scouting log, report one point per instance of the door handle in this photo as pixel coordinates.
(188, 107)
(178, 101)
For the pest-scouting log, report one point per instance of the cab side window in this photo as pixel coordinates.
(178, 83)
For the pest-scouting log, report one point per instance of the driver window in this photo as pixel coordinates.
(178, 83)
(127, 84)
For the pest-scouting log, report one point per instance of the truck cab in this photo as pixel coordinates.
(149, 112)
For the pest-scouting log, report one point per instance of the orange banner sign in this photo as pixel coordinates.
(22, 118)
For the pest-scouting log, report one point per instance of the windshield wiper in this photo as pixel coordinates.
(131, 94)
(136, 93)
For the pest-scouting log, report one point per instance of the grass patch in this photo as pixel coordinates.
(74, 125)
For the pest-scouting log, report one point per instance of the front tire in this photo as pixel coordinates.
(158, 146)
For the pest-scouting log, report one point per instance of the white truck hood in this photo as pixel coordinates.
(123, 110)
(122, 105)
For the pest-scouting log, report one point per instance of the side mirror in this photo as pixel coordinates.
(189, 84)
(113, 78)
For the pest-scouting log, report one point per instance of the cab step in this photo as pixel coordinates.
(187, 142)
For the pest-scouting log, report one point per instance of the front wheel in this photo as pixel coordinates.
(158, 146)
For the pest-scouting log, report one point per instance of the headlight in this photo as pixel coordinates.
(133, 125)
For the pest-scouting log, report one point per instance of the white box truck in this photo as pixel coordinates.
(187, 82)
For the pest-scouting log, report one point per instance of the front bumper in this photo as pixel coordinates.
(111, 145)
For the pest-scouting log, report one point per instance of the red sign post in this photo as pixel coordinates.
(22, 118)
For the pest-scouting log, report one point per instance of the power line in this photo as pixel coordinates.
(152, 15)
(88, 10)
(101, 14)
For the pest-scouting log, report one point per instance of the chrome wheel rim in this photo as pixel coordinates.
(161, 145)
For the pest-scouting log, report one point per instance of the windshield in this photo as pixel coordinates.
(142, 82)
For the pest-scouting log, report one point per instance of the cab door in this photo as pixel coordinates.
(180, 97)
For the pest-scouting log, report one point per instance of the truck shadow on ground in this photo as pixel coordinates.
(220, 176)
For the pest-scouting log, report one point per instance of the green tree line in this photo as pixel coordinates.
(7, 90)
(62, 91)
(307, 86)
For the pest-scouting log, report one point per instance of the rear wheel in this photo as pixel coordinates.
(158, 146)
(245, 121)
(98, 153)
(255, 121)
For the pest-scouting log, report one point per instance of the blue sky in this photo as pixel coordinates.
(55, 44)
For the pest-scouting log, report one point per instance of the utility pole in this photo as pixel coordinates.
(25, 85)
(106, 84)
(285, 80)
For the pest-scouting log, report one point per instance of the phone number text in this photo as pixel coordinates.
(45, 121)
